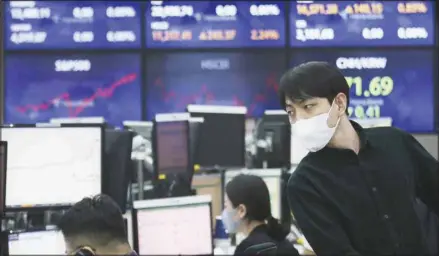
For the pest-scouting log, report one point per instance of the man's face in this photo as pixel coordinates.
(299, 110)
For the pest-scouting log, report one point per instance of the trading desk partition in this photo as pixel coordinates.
(273, 179)
(210, 184)
(47, 242)
(52, 166)
(173, 226)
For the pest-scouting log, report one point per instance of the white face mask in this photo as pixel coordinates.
(314, 133)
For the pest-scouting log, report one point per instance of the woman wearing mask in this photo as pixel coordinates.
(248, 211)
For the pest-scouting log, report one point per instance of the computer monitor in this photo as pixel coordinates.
(222, 136)
(142, 128)
(171, 147)
(52, 166)
(276, 115)
(173, 226)
(3, 173)
(273, 179)
(47, 242)
(195, 125)
(118, 166)
(274, 140)
(78, 120)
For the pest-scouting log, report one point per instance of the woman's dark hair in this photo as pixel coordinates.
(251, 191)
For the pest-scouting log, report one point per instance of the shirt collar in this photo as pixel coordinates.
(361, 134)
(364, 142)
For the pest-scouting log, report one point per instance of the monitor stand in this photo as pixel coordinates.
(173, 186)
(4, 243)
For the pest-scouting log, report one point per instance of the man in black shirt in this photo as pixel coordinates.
(355, 192)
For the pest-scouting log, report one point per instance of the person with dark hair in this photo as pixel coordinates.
(95, 226)
(354, 192)
(247, 210)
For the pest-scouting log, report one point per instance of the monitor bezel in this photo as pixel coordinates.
(101, 127)
(4, 147)
(136, 231)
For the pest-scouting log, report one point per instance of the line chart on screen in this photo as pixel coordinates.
(42, 151)
(77, 106)
(66, 160)
(206, 96)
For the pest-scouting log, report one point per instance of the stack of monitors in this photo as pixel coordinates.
(95, 78)
(236, 76)
(213, 53)
(385, 49)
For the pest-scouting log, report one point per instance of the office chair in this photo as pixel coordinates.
(262, 249)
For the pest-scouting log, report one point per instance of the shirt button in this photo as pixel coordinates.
(374, 189)
(386, 217)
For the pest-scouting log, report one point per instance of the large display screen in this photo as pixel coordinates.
(361, 23)
(72, 24)
(52, 166)
(195, 24)
(41, 87)
(396, 84)
(176, 80)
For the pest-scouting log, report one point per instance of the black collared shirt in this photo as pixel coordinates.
(364, 204)
(259, 236)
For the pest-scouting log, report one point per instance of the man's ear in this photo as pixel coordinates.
(341, 102)
(242, 211)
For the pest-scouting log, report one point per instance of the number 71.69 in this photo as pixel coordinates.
(378, 86)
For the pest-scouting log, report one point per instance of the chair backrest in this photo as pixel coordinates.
(262, 249)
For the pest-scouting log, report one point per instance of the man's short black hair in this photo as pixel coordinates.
(310, 80)
(98, 218)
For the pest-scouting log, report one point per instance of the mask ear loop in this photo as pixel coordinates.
(329, 113)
